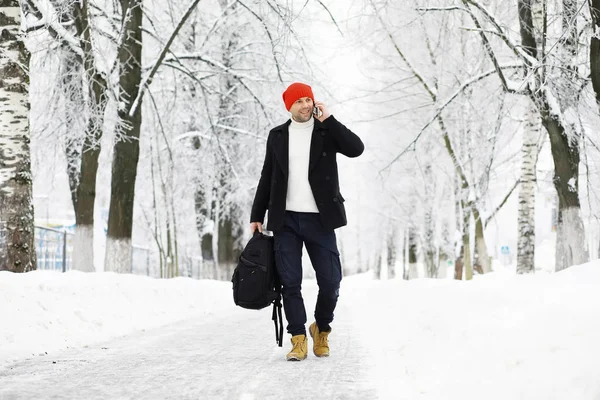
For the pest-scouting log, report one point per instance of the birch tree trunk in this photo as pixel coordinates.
(126, 148)
(17, 251)
(595, 49)
(526, 235)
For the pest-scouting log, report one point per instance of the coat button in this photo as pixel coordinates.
(322, 133)
(274, 180)
(321, 204)
(324, 154)
(335, 199)
(327, 178)
(270, 202)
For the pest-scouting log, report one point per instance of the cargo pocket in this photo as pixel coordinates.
(336, 267)
(279, 262)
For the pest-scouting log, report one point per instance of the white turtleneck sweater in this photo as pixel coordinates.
(299, 194)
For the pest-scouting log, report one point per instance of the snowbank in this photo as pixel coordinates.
(44, 311)
(500, 336)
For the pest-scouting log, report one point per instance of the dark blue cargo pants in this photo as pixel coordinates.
(299, 228)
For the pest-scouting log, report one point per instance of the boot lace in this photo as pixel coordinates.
(298, 346)
(323, 339)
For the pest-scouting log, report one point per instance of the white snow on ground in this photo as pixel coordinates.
(45, 311)
(499, 336)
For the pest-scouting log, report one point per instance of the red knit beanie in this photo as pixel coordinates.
(294, 92)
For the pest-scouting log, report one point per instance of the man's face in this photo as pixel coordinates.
(302, 109)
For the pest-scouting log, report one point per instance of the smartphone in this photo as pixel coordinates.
(317, 112)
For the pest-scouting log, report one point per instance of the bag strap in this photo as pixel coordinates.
(276, 314)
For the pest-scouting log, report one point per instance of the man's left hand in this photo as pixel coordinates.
(324, 112)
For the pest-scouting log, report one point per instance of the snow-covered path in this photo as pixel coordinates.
(218, 357)
(498, 337)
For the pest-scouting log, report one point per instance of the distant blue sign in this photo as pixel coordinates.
(504, 250)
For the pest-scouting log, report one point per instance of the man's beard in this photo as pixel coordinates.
(300, 118)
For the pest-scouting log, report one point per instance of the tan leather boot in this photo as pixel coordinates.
(300, 349)
(320, 344)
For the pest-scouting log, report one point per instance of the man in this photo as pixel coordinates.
(299, 186)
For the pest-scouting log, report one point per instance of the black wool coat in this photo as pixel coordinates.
(328, 138)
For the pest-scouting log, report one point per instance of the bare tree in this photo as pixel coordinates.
(468, 188)
(96, 100)
(126, 150)
(17, 252)
(84, 92)
(555, 101)
(222, 245)
(570, 243)
(132, 86)
(570, 248)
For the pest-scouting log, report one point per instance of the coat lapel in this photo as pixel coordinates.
(281, 146)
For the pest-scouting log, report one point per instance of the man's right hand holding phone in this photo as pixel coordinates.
(323, 114)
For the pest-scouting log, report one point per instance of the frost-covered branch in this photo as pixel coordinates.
(488, 49)
(449, 8)
(493, 214)
(192, 134)
(121, 38)
(148, 80)
(491, 18)
(270, 39)
(419, 76)
(448, 101)
(213, 63)
(217, 22)
(494, 21)
(241, 131)
(331, 17)
(477, 30)
(48, 17)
